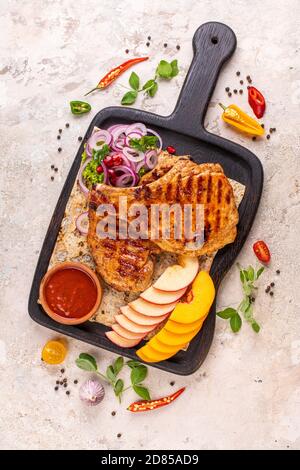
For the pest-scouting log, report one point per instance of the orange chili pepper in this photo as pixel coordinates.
(147, 405)
(116, 72)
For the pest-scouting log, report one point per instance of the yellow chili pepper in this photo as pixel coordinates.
(234, 116)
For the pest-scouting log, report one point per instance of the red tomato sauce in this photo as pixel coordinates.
(71, 293)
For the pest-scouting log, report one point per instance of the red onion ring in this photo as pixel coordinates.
(132, 135)
(133, 155)
(159, 139)
(82, 186)
(151, 159)
(137, 126)
(82, 223)
(99, 136)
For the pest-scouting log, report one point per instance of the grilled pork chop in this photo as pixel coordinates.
(127, 265)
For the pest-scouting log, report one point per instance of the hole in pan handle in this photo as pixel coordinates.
(213, 44)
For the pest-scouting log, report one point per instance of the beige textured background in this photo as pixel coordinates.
(247, 394)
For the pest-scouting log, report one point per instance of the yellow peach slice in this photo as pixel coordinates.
(182, 328)
(164, 348)
(172, 339)
(151, 355)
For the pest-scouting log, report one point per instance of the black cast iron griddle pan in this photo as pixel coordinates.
(213, 44)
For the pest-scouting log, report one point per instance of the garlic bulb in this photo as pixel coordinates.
(91, 392)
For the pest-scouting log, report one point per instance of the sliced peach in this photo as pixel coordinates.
(164, 348)
(126, 333)
(160, 297)
(172, 339)
(153, 310)
(178, 276)
(120, 341)
(140, 319)
(131, 326)
(202, 297)
(182, 328)
(149, 354)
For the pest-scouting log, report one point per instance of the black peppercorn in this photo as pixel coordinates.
(272, 284)
(59, 149)
(147, 44)
(60, 131)
(235, 91)
(52, 167)
(263, 126)
(65, 385)
(165, 44)
(229, 94)
(278, 271)
(274, 129)
(267, 289)
(56, 388)
(75, 381)
(271, 293)
(62, 371)
(56, 170)
(178, 47)
(241, 82)
(68, 392)
(241, 92)
(119, 435)
(80, 138)
(113, 413)
(65, 380)
(61, 382)
(227, 89)
(52, 178)
(149, 38)
(238, 73)
(127, 50)
(172, 383)
(268, 136)
(67, 124)
(57, 382)
(58, 137)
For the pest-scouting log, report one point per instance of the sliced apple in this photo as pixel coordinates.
(166, 337)
(140, 319)
(182, 328)
(178, 276)
(153, 310)
(131, 326)
(120, 341)
(126, 333)
(160, 297)
(164, 348)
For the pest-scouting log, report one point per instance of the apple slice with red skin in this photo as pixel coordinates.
(131, 326)
(178, 276)
(159, 297)
(120, 341)
(126, 333)
(140, 319)
(153, 310)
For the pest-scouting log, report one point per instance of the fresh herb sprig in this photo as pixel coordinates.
(138, 374)
(248, 278)
(165, 70)
(90, 174)
(144, 143)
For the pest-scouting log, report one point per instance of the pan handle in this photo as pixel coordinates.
(213, 44)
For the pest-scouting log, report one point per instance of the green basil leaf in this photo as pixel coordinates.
(235, 323)
(260, 271)
(134, 81)
(250, 273)
(118, 365)
(153, 90)
(149, 84)
(227, 313)
(175, 69)
(119, 387)
(164, 69)
(142, 392)
(129, 97)
(242, 277)
(110, 374)
(133, 364)
(255, 327)
(138, 374)
(245, 272)
(86, 362)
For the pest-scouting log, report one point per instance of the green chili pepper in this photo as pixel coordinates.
(80, 107)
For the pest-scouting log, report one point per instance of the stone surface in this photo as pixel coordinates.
(247, 393)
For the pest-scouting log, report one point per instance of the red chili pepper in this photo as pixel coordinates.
(116, 72)
(171, 150)
(147, 405)
(262, 251)
(256, 101)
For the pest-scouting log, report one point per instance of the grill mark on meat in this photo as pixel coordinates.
(189, 186)
(108, 244)
(218, 219)
(169, 191)
(93, 206)
(147, 193)
(199, 187)
(220, 184)
(209, 189)
(138, 193)
(207, 230)
(228, 197)
(178, 187)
